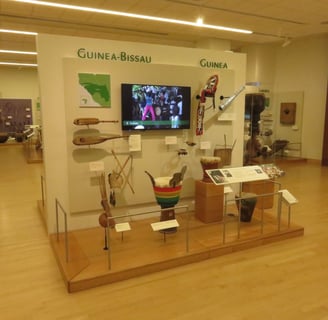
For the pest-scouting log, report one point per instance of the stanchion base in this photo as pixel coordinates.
(169, 230)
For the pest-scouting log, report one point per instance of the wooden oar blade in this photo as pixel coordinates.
(88, 140)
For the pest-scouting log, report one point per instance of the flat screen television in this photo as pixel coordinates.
(155, 107)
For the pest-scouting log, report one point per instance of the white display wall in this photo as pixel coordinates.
(67, 167)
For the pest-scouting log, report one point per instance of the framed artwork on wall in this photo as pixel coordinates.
(15, 115)
(288, 113)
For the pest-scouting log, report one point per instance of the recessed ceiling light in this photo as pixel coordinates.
(199, 21)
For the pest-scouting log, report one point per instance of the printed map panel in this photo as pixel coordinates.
(94, 90)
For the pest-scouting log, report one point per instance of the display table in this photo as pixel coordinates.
(209, 201)
(238, 175)
(260, 188)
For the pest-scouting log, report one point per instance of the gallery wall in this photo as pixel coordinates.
(20, 83)
(71, 181)
(300, 68)
(164, 161)
(303, 66)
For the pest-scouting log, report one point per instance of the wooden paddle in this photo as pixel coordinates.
(87, 140)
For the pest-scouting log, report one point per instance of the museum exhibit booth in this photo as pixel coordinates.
(144, 159)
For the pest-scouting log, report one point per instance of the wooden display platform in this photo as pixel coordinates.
(141, 251)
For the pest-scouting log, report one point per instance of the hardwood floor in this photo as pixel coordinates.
(282, 280)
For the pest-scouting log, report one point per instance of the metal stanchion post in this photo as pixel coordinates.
(279, 210)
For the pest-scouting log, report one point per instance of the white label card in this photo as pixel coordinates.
(164, 224)
(96, 166)
(124, 226)
(171, 140)
(205, 145)
(135, 142)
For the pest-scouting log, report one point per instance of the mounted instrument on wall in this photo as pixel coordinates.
(105, 219)
(115, 181)
(230, 99)
(116, 178)
(88, 121)
(208, 91)
(88, 140)
(122, 168)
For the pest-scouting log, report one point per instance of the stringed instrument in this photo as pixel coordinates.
(88, 121)
(104, 218)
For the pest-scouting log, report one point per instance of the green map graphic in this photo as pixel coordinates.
(94, 90)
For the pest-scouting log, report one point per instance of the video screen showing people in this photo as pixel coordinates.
(155, 107)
